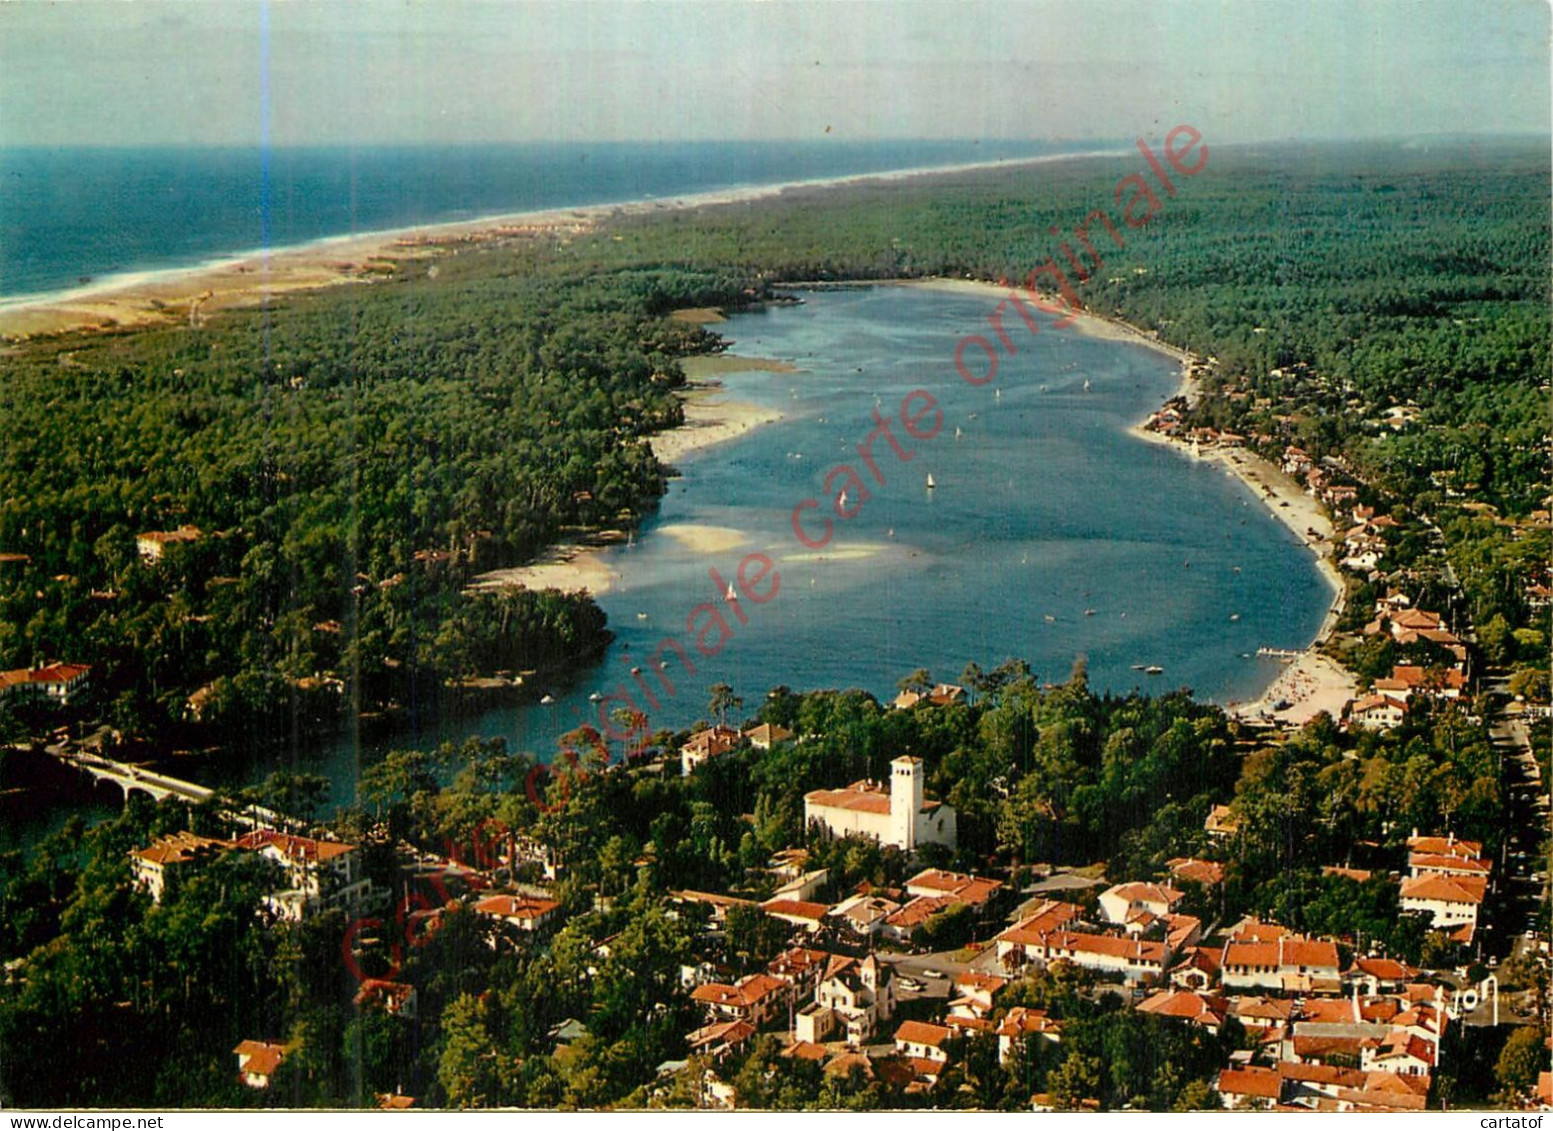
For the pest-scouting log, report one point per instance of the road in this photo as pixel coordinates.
(1523, 868)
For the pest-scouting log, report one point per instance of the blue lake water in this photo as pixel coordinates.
(1052, 531)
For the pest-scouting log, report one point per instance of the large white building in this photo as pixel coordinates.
(900, 816)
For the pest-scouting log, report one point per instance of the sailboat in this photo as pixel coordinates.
(930, 483)
(731, 595)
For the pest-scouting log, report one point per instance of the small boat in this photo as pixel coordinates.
(841, 504)
(641, 616)
(636, 671)
(930, 483)
(596, 697)
(547, 700)
(1234, 616)
(1237, 569)
(958, 433)
(731, 595)
(890, 533)
(1137, 667)
(997, 394)
(1086, 384)
(1153, 669)
(1089, 612)
(1050, 619)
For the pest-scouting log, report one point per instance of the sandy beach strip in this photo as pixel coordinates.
(253, 277)
(571, 568)
(711, 418)
(1313, 682)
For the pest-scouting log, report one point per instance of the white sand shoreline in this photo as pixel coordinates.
(126, 300)
(1312, 682)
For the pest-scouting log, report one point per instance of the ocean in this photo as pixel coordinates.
(71, 218)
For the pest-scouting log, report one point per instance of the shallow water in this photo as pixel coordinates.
(1053, 532)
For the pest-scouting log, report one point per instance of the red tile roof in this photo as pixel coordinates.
(861, 796)
(795, 909)
(1186, 1006)
(1441, 888)
(1445, 846)
(1047, 917)
(1022, 1022)
(749, 991)
(1205, 872)
(516, 906)
(296, 848)
(921, 1033)
(1262, 1083)
(263, 1057)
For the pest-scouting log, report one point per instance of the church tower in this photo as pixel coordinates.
(905, 801)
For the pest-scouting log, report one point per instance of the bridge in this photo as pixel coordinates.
(159, 787)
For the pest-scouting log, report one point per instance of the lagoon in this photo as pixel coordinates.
(1053, 531)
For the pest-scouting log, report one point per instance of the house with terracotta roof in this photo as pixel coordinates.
(756, 998)
(1135, 960)
(320, 874)
(974, 890)
(1419, 863)
(526, 913)
(720, 1039)
(920, 1039)
(974, 993)
(704, 745)
(939, 695)
(900, 816)
(1450, 901)
(854, 997)
(1204, 1010)
(798, 912)
(903, 925)
(1020, 944)
(1196, 968)
(1249, 1089)
(1407, 680)
(257, 1062)
(767, 735)
(156, 866)
(1190, 870)
(861, 917)
(1290, 963)
(1125, 903)
(1448, 845)
(394, 998)
(59, 685)
(1262, 1015)
(801, 968)
(1221, 823)
(1379, 973)
(1377, 712)
(1019, 1025)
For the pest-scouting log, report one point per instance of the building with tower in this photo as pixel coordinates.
(900, 815)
